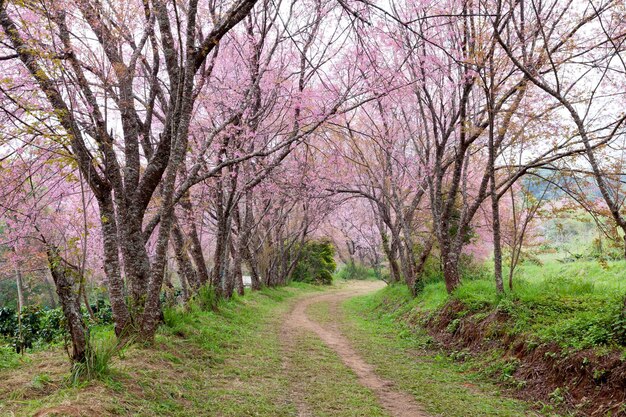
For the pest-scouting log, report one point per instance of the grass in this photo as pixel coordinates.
(231, 360)
(399, 354)
(404, 355)
(326, 386)
(102, 347)
(355, 271)
(577, 305)
(203, 363)
(228, 362)
(8, 358)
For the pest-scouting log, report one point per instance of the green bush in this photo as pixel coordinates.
(205, 298)
(469, 269)
(51, 325)
(44, 325)
(316, 264)
(8, 322)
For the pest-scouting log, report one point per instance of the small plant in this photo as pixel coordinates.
(618, 327)
(206, 298)
(558, 395)
(599, 375)
(506, 306)
(98, 356)
(41, 380)
(509, 368)
(453, 326)
(460, 355)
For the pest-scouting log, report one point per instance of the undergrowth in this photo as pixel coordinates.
(201, 353)
(100, 351)
(577, 305)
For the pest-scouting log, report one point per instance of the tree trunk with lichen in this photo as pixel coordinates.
(64, 277)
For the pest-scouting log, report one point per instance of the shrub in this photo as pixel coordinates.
(43, 325)
(316, 264)
(8, 322)
(469, 268)
(52, 325)
(102, 311)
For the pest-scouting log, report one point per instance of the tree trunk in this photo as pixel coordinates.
(418, 283)
(20, 305)
(237, 273)
(228, 277)
(63, 278)
(393, 262)
(255, 279)
(115, 283)
(50, 287)
(194, 238)
(452, 277)
(497, 243)
(20, 290)
(183, 262)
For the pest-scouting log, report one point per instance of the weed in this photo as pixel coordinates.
(558, 395)
(41, 380)
(98, 355)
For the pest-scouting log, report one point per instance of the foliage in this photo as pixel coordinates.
(578, 304)
(100, 350)
(44, 325)
(36, 292)
(353, 270)
(8, 357)
(316, 264)
(469, 269)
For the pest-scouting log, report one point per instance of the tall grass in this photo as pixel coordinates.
(101, 348)
(8, 358)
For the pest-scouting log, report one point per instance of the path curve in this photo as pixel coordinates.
(395, 402)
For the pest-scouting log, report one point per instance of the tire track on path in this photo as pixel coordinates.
(395, 402)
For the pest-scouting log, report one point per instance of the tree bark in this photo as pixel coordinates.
(183, 262)
(450, 259)
(115, 282)
(21, 302)
(63, 277)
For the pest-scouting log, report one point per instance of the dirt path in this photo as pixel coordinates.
(396, 403)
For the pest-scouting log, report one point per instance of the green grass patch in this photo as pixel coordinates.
(8, 358)
(575, 304)
(328, 388)
(221, 362)
(403, 354)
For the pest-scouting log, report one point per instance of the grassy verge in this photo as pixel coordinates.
(203, 363)
(441, 385)
(558, 339)
(577, 305)
(233, 363)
